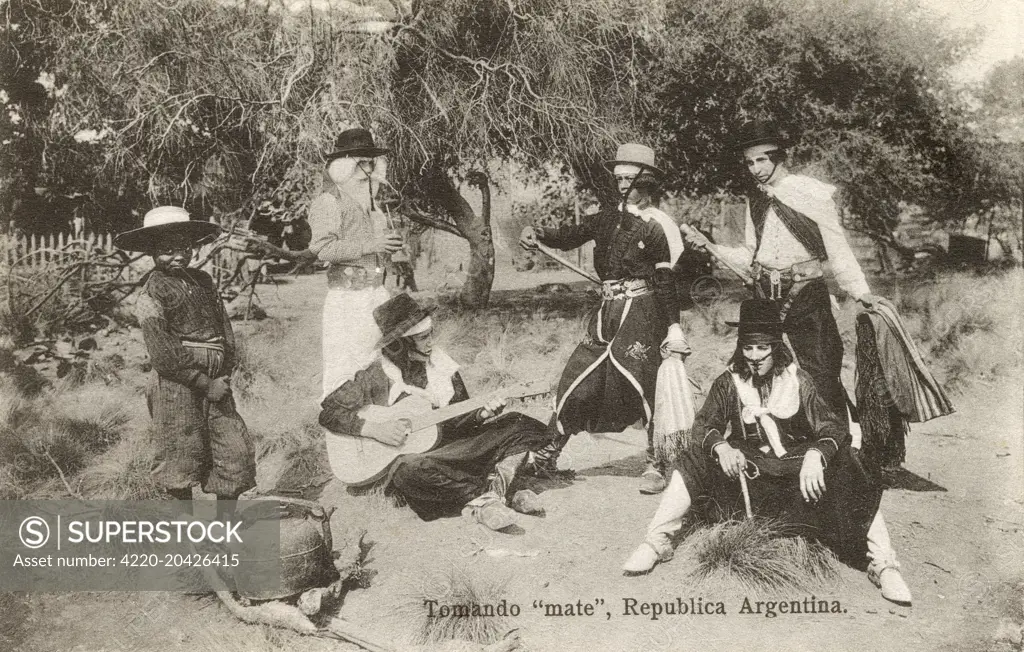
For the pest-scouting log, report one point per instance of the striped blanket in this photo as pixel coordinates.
(894, 386)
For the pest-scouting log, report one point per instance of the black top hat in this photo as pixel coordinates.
(759, 322)
(162, 223)
(355, 143)
(396, 316)
(761, 132)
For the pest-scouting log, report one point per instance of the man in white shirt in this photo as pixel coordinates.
(792, 229)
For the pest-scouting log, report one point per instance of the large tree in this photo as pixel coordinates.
(863, 84)
(223, 105)
(1001, 126)
(218, 105)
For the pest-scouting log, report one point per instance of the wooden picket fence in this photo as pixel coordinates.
(62, 275)
(35, 253)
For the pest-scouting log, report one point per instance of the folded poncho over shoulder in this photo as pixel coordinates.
(894, 385)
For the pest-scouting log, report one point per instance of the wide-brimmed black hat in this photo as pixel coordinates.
(396, 316)
(355, 143)
(762, 132)
(760, 322)
(163, 223)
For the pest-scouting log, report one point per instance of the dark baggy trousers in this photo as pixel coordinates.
(840, 520)
(815, 339)
(605, 400)
(442, 480)
(199, 442)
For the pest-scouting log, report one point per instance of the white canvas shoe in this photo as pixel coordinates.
(490, 511)
(645, 557)
(888, 578)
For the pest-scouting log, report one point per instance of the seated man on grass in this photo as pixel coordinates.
(793, 449)
(476, 456)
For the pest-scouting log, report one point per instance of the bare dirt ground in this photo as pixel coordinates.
(955, 515)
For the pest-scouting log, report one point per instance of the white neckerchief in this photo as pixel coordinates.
(783, 402)
(671, 229)
(439, 390)
(807, 196)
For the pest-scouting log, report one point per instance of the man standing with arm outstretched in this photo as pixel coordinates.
(609, 382)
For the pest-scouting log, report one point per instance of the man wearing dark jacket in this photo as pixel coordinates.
(609, 382)
(477, 455)
(766, 419)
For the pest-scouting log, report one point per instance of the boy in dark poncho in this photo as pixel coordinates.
(199, 436)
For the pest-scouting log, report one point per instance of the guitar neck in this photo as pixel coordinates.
(446, 412)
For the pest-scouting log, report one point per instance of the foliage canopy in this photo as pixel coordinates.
(221, 106)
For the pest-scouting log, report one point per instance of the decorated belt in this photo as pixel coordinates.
(354, 277)
(625, 289)
(777, 282)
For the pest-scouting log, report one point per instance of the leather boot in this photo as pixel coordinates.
(652, 481)
(527, 502)
(544, 462)
(656, 549)
(667, 521)
(887, 577)
(883, 569)
(524, 501)
(505, 472)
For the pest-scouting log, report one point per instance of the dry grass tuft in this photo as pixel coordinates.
(123, 472)
(106, 370)
(292, 460)
(253, 374)
(17, 327)
(57, 433)
(382, 505)
(498, 356)
(459, 591)
(759, 556)
(29, 382)
(501, 347)
(461, 331)
(10, 488)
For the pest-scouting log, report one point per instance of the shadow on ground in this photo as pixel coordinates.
(631, 466)
(908, 480)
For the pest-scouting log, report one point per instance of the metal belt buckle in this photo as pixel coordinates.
(775, 276)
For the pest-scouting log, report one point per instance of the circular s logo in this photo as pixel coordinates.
(34, 532)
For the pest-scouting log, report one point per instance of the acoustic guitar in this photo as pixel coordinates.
(362, 460)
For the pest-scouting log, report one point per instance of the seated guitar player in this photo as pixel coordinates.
(477, 455)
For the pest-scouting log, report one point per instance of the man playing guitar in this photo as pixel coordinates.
(467, 463)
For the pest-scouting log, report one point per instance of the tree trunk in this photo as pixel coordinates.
(476, 229)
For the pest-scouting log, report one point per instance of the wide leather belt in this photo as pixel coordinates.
(776, 283)
(625, 288)
(354, 277)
